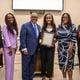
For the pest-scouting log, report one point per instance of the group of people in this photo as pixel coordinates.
(30, 35)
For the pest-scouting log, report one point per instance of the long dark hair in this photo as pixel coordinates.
(45, 23)
(69, 24)
(78, 27)
(0, 35)
(14, 25)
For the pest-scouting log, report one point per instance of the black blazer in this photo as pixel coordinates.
(1, 44)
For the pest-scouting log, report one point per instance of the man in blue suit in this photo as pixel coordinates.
(28, 44)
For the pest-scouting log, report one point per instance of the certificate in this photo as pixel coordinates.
(47, 39)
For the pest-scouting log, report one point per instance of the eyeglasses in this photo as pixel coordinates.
(65, 17)
(34, 17)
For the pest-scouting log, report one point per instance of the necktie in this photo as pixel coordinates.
(35, 29)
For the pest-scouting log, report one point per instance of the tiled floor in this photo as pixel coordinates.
(57, 73)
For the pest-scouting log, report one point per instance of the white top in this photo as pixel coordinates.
(49, 29)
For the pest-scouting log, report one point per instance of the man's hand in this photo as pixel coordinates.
(25, 52)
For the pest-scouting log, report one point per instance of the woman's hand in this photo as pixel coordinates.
(16, 49)
(10, 51)
(70, 49)
(1, 50)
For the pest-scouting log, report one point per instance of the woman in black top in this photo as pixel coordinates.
(1, 50)
(47, 52)
(78, 44)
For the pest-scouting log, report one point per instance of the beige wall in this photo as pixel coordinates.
(70, 6)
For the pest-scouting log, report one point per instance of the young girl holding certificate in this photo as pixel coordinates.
(47, 51)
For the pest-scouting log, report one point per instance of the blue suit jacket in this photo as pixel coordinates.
(28, 38)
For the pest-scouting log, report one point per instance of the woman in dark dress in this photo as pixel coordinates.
(78, 44)
(47, 52)
(1, 50)
(66, 45)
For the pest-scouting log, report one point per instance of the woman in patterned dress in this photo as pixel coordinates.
(66, 45)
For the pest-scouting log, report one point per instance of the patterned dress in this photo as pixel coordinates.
(65, 36)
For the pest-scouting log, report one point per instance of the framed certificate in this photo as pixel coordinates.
(47, 39)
